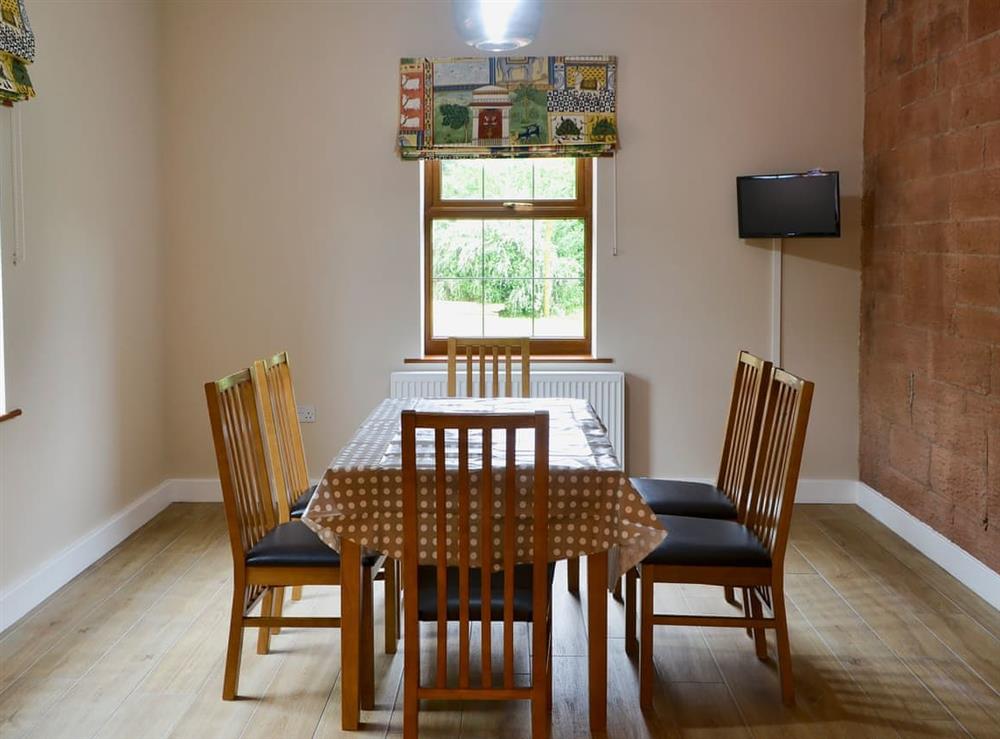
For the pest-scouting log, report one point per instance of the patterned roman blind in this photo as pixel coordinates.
(17, 50)
(507, 106)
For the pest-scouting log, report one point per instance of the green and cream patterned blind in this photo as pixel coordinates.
(17, 49)
(507, 106)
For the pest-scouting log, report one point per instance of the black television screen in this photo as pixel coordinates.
(789, 205)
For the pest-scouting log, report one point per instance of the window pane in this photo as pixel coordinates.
(558, 308)
(458, 308)
(508, 307)
(457, 247)
(461, 179)
(559, 248)
(507, 248)
(555, 179)
(507, 179)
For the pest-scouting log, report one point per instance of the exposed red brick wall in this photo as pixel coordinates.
(930, 312)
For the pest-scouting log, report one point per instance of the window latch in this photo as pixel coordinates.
(515, 205)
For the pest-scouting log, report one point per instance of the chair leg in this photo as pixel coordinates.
(296, 592)
(399, 599)
(746, 609)
(759, 638)
(573, 575)
(411, 679)
(540, 720)
(277, 607)
(540, 692)
(646, 642)
(264, 633)
(617, 592)
(731, 596)
(631, 642)
(367, 667)
(548, 688)
(784, 651)
(391, 605)
(548, 672)
(234, 650)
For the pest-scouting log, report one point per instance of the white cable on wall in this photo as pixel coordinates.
(614, 205)
(17, 189)
(776, 254)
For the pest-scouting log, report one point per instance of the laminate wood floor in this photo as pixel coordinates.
(884, 642)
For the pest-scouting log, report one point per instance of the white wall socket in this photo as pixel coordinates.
(307, 413)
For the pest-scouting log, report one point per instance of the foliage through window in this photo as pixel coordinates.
(508, 252)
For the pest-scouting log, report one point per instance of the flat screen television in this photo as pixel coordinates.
(775, 206)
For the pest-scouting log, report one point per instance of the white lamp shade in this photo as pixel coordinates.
(497, 25)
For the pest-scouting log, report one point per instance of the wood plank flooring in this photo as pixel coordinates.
(884, 642)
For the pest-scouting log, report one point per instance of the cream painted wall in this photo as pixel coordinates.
(291, 224)
(84, 312)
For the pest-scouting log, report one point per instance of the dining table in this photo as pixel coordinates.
(593, 512)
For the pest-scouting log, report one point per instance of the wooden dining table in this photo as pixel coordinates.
(594, 512)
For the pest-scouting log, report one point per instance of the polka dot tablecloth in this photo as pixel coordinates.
(592, 507)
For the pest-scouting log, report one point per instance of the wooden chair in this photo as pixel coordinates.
(748, 555)
(469, 593)
(293, 490)
(267, 555)
(728, 496)
(489, 350)
(494, 350)
(273, 378)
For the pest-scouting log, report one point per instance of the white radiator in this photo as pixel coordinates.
(604, 390)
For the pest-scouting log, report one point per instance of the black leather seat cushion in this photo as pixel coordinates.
(294, 544)
(299, 506)
(679, 498)
(707, 542)
(427, 598)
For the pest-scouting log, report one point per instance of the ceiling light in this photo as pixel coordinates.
(497, 25)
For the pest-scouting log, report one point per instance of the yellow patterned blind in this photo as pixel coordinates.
(507, 106)
(17, 50)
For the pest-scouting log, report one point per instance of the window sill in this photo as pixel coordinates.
(14, 413)
(541, 359)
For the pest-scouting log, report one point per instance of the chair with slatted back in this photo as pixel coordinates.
(474, 590)
(727, 497)
(267, 555)
(284, 440)
(284, 436)
(493, 352)
(748, 555)
(293, 490)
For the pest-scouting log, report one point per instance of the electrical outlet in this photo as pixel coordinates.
(307, 413)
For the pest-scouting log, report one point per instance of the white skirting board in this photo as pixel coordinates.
(957, 562)
(21, 597)
(952, 558)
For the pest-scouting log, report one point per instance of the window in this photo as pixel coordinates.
(508, 252)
